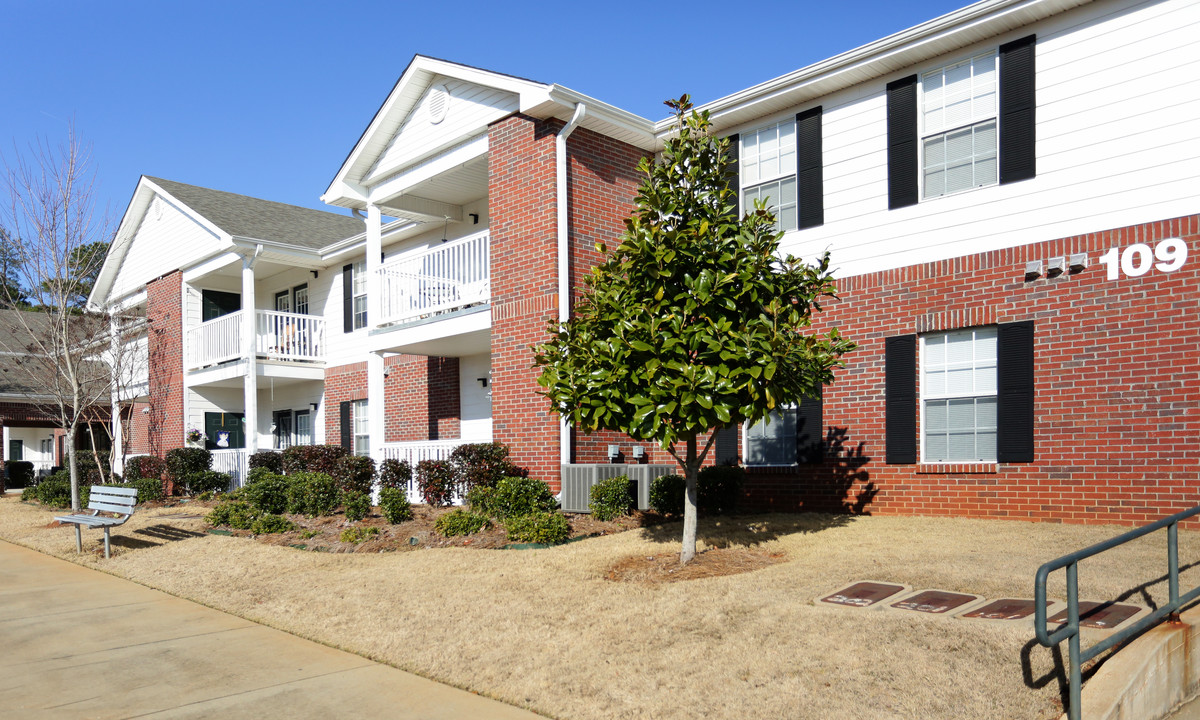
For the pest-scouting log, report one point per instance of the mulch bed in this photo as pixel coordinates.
(713, 562)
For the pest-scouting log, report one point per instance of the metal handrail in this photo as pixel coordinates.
(1070, 631)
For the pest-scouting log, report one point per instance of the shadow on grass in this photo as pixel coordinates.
(145, 537)
(747, 530)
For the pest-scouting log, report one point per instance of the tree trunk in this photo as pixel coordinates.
(74, 468)
(691, 469)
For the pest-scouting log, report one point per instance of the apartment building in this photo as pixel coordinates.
(1010, 195)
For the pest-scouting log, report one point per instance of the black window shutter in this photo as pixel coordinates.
(810, 191)
(900, 387)
(348, 298)
(346, 426)
(1018, 159)
(727, 446)
(1014, 392)
(733, 169)
(902, 139)
(810, 430)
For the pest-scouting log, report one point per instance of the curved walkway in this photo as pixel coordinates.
(75, 642)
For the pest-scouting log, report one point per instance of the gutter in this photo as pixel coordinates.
(564, 258)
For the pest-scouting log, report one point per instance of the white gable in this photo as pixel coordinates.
(449, 111)
(166, 239)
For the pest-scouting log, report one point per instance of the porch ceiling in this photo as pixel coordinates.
(438, 195)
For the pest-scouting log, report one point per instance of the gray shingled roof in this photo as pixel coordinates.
(23, 372)
(248, 217)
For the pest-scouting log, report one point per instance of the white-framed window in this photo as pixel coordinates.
(772, 440)
(958, 126)
(360, 294)
(362, 427)
(958, 396)
(767, 164)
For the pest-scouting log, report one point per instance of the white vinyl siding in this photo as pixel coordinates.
(767, 163)
(1117, 92)
(164, 226)
(958, 396)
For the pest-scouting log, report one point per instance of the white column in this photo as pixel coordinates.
(250, 403)
(374, 261)
(119, 369)
(375, 403)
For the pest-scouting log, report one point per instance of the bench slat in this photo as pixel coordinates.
(110, 507)
(91, 520)
(110, 490)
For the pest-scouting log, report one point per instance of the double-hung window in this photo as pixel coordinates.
(958, 121)
(767, 162)
(958, 395)
(360, 294)
(362, 428)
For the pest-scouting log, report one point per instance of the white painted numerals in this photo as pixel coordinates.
(1137, 260)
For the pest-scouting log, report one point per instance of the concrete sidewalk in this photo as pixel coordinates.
(77, 643)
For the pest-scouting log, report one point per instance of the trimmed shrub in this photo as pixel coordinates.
(720, 488)
(436, 482)
(547, 528)
(267, 491)
(268, 459)
(514, 496)
(483, 464)
(356, 504)
(19, 474)
(612, 498)
(55, 491)
(207, 481)
(185, 461)
(393, 503)
(148, 488)
(269, 524)
(482, 500)
(460, 522)
(29, 494)
(354, 473)
(358, 535)
(312, 494)
(236, 514)
(145, 466)
(395, 474)
(312, 458)
(666, 494)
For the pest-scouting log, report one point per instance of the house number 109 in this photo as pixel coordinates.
(1136, 260)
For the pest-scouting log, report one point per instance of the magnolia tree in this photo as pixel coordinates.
(694, 322)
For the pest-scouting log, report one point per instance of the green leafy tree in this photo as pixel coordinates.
(12, 294)
(694, 322)
(83, 267)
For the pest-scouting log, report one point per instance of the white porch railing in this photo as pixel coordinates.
(234, 462)
(451, 276)
(215, 341)
(288, 336)
(415, 452)
(278, 336)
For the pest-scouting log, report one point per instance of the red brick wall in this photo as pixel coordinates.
(1117, 408)
(164, 309)
(521, 207)
(136, 429)
(420, 396)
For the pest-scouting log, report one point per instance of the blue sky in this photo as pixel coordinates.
(267, 98)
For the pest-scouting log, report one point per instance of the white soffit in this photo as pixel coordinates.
(891, 54)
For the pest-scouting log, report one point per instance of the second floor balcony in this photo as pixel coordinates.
(279, 336)
(436, 281)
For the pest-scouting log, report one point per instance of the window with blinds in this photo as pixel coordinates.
(958, 396)
(958, 121)
(767, 161)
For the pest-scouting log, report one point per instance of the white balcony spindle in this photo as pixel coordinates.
(278, 336)
(448, 277)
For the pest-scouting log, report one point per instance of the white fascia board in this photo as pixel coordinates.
(400, 181)
(389, 230)
(143, 194)
(914, 44)
(210, 265)
(122, 304)
(23, 398)
(601, 113)
(301, 257)
(400, 102)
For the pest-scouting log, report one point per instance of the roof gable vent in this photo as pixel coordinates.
(439, 102)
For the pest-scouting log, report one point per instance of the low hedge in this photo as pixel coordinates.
(145, 466)
(393, 503)
(355, 504)
(436, 482)
(19, 474)
(268, 459)
(460, 522)
(354, 473)
(612, 498)
(312, 458)
(547, 528)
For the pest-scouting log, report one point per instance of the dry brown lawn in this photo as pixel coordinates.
(551, 631)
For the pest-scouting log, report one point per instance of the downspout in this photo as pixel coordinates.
(564, 257)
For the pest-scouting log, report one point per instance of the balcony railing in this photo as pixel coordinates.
(278, 336)
(451, 276)
(415, 452)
